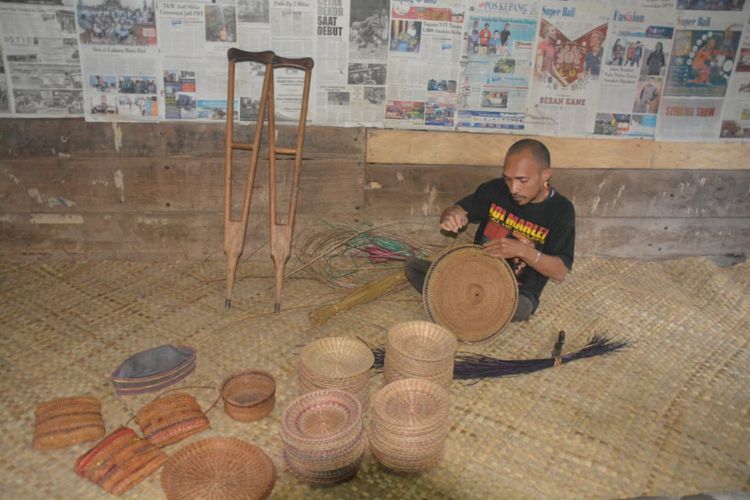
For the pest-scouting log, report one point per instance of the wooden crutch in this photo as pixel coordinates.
(235, 230)
(281, 234)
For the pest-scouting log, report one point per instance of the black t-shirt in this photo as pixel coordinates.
(549, 224)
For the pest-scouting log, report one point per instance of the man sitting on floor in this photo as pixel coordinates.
(521, 219)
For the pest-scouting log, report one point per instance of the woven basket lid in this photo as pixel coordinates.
(216, 468)
(337, 357)
(470, 293)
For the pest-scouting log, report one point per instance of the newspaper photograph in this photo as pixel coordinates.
(119, 59)
(423, 63)
(254, 24)
(635, 61)
(735, 116)
(725, 5)
(41, 75)
(497, 60)
(567, 68)
(704, 51)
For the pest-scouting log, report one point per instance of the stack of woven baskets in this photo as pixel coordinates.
(336, 363)
(409, 424)
(419, 349)
(323, 436)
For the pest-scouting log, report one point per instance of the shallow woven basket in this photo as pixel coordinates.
(411, 404)
(219, 468)
(470, 293)
(337, 358)
(422, 341)
(321, 420)
(249, 395)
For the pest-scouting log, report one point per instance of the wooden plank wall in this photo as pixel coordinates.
(71, 189)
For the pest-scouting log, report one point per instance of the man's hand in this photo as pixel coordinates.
(453, 219)
(508, 248)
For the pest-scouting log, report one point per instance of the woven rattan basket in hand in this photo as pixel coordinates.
(219, 468)
(249, 395)
(470, 293)
(67, 421)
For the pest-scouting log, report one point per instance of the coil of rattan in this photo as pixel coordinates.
(470, 293)
(219, 468)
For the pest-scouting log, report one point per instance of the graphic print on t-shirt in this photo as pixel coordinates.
(502, 224)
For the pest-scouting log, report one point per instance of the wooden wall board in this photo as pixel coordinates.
(171, 185)
(412, 190)
(464, 148)
(66, 138)
(177, 236)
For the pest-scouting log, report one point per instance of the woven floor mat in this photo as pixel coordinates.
(668, 416)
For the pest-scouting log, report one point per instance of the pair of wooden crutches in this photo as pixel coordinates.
(235, 230)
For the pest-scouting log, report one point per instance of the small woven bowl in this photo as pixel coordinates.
(249, 395)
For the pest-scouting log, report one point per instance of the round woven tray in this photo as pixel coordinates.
(219, 468)
(421, 341)
(337, 358)
(470, 293)
(249, 395)
(411, 404)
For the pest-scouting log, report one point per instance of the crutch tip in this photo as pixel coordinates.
(227, 304)
(277, 308)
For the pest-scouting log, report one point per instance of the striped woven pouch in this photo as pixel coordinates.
(67, 421)
(171, 418)
(120, 461)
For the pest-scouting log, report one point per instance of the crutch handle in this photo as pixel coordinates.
(302, 63)
(237, 55)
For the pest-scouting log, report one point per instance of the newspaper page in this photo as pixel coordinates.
(352, 89)
(41, 75)
(567, 67)
(735, 117)
(194, 38)
(497, 59)
(293, 27)
(638, 48)
(120, 59)
(253, 34)
(701, 64)
(423, 63)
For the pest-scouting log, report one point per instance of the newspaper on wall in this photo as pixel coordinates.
(497, 59)
(40, 70)
(352, 87)
(423, 63)
(567, 67)
(735, 117)
(194, 38)
(701, 65)
(635, 62)
(120, 59)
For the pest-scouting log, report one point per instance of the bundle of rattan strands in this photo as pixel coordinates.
(409, 424)
(351, 256)
(419, 349)
(336, 363)
(323, 436)
(219, 468)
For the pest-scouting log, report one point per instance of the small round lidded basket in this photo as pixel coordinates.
(249, 395)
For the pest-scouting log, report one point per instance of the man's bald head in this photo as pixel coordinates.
(536, 149)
